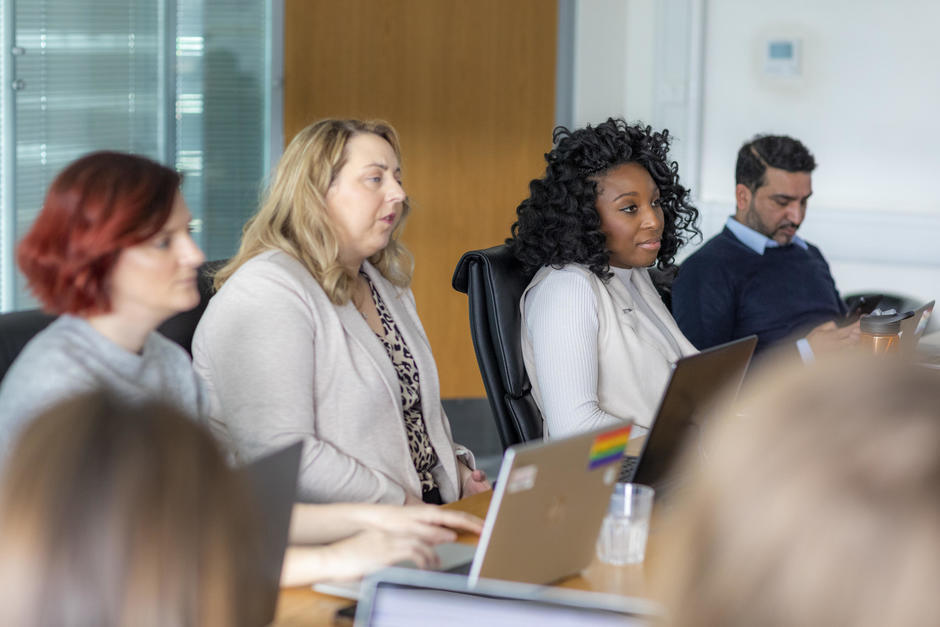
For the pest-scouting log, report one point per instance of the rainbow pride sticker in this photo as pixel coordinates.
(608, 447)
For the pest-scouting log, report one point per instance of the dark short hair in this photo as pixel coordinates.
(558, 223)
(774, 151)
(97, 206)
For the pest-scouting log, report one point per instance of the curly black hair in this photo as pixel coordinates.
(774, 151)
(558, 223)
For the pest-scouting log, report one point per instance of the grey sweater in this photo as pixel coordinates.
(70, 357)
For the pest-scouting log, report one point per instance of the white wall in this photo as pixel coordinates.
(866, 104)
(613, 72)
(600, 69)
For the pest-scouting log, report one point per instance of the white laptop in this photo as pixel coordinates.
(396, 597)
(547, 507)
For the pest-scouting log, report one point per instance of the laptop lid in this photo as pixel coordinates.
(699, 383)
(912, 328)
(547, 507)
(274, 482)
(396, 597)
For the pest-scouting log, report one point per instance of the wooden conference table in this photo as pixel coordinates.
(302, 607)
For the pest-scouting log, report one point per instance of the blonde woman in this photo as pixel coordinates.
(820, 506)
(314, 333)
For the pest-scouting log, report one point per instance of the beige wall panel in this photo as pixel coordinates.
(470, 86)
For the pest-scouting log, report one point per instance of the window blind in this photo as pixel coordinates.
(93, 78)
(221, 130)
(89, 82)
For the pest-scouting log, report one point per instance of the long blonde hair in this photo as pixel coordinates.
(818, 505)
(118, 515)
(293, 217)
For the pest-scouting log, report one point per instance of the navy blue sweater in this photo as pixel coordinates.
(725, 291)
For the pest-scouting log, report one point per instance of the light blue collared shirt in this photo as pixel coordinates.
(757, 241)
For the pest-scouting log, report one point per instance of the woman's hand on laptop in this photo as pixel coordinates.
(321, 524)
(429, 522)
(354, 557)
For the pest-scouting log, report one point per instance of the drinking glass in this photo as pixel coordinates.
(623, 535)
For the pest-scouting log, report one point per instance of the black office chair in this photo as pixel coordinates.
(181, 327)
(663, 280)
(494, 281)
(18, 327)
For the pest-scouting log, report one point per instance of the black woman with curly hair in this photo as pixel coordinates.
(598, 342)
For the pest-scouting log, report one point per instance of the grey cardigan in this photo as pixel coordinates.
(281, 363)
(69, 357)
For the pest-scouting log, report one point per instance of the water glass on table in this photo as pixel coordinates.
(623, 535)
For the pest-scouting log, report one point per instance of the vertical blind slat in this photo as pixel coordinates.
(92, 72)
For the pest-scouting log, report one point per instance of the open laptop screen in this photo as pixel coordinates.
(274, 482)
(700, 384)
(397, 605)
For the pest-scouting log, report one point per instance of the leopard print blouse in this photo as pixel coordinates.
(419, 442)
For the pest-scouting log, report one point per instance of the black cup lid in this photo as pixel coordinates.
(883, 324)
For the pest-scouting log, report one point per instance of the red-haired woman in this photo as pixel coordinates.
(111, 253)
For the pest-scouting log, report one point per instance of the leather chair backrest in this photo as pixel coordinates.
(494, 281)
(663, 280)
(181, 327)
(18, 328)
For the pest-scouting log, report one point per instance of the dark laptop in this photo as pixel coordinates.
(274, 481)
(699, 383)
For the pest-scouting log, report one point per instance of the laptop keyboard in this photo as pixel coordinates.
(460, 569)
(627, 468)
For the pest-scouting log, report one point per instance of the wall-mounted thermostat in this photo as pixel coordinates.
(782, 57)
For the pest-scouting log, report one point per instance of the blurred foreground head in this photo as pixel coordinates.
(111, 515)
(819, 504)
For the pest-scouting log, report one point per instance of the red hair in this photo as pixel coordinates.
(97, 206)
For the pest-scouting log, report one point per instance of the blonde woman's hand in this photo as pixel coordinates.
(354, 557)
(472, 481)
(431, 523)
(322, 524)
(372, 549)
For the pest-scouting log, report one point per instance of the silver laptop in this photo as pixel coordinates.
(700, 384)
(273, 480)
(396, 597)
(547, 507)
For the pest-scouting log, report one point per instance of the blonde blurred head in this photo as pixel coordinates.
(819, 505)
(293, 216)
(118, 516)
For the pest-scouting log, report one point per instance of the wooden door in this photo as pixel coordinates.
(470, 87)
